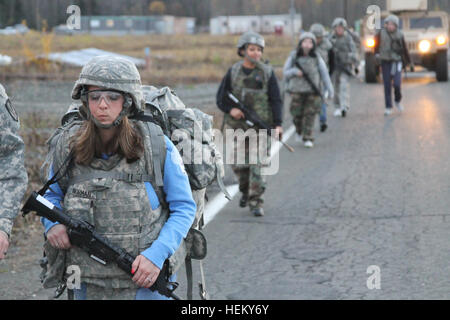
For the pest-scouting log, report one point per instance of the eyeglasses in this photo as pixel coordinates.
(95, 96)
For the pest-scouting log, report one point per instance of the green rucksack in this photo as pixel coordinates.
(190, 130)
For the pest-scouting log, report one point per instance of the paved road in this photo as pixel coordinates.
(373, 191)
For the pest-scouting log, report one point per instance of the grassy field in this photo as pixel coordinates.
(176, 59)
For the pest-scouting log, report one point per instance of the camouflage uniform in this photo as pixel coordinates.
(304, 108)
(110, 193)
(251, 89)
(13, 176)
(323, 48)
(345, 55)
(305, 103)
(107, 204)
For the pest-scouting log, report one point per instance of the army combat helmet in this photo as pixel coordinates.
(339, 22)
(247, 38)
(318, 30)
(113, 73)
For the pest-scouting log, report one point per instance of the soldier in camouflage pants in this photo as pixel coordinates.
(255, 84)
(346, 56)
(304, 108)
(306, 75)
(13, 176)
(112, 185)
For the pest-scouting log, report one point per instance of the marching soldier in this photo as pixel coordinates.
(345, 56)
(110, 184)
(307, 79)
(255, 84)
(324, 48)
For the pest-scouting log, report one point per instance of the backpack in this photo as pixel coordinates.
(189, 129)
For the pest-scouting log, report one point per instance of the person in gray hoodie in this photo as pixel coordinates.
(304, 73)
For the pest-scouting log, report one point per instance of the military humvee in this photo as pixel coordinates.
(426, 35)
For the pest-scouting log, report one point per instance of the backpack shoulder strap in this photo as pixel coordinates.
(158, 158)
(158, 151)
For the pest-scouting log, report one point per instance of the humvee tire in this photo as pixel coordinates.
(370, 68)
(441, 66)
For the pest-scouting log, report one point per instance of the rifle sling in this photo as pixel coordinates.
(308, 79)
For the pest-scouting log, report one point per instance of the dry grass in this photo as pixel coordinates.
(177, 59)
(183, 59)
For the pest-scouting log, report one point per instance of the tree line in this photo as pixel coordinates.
(49, 13)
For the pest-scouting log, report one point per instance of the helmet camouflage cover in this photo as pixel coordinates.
(318, 30)
(114, 73)
(251, 37)
(339, 22)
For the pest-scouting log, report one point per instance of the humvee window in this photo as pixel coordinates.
(425, 22)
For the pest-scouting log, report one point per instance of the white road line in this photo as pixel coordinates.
(213, 207)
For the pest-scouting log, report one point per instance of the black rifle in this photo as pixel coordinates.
(253, 119)
(308, 79)
(83, 235)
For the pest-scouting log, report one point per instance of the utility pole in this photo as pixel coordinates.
(292, 16)
(345, 2)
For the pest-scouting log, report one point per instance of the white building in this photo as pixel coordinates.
(262, 24)
(123, 25)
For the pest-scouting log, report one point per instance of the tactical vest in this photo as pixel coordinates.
(251, 90)
(300, 84)
(111, 195)
(342, 49)
(391, 45)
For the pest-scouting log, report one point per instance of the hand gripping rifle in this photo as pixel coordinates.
(83, 235)
(254, 120)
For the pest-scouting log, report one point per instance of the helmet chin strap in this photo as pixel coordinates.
(254, 61)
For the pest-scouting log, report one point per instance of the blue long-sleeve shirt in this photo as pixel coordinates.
(178, 196)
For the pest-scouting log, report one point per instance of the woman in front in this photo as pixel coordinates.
(110, 182)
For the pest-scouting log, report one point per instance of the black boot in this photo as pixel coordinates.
(323, 127)
(244, 200)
